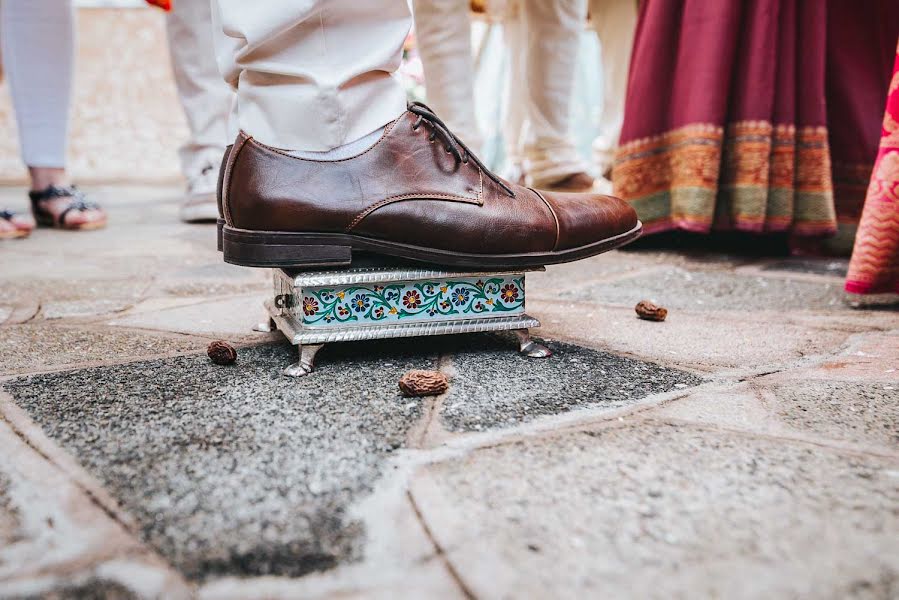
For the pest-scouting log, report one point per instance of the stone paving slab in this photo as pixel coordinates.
(678, 288)
(214, 279)
(69, 298)
(686, 339)
(238, 470)
(107, 293)
(422, 579)
(654, 510)
(611, 265)
(495, 387)
(39, 346)
(56, 542)
(862, 414)
(833, 267)
(859, 412)
(235, 469)
(870, 356)
(851, 398)
(230, 317)
(621, 264)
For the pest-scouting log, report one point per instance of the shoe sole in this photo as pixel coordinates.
(51, 224)
(304, 250)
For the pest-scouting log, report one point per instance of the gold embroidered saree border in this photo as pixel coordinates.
(753, 176)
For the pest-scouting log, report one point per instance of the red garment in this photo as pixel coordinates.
(735, 111)
(874, 267)
(165, 5)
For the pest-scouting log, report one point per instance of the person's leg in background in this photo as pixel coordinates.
(614, 22)
(515, 125)
(551, 36)
(443, 33)
(206, 100)
(38, 38)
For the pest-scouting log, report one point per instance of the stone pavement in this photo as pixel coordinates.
(746, 447)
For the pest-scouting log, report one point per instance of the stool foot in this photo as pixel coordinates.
(529, 347)
(306, 363)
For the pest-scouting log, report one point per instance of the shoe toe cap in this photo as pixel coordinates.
(585, 219)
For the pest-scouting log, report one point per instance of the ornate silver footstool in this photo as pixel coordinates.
(377, 300)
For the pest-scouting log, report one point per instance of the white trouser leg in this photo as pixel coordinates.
(614, 22)
(515, 127)
(443, 32)
(313, 74)
(551, 36)
(38, 38)
(206, 99)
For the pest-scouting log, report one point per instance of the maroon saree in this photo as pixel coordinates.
(752, 115)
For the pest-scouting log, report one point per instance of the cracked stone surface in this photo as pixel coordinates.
(9, 515)
(495, 386)
(664, 511)
(56, 540)
(685, 338)
(42, 345)
(235, 469)
(242, 471)
(862, 414)
(91, 589)
(72, 297)
(866, 412)
(836, 267)
(233, 317)
(709, 291)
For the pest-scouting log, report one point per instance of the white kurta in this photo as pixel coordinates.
(312, 74)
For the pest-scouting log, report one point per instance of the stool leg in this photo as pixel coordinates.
(529, 347)
(306, 363)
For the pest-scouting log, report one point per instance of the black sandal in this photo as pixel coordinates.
(78, 203)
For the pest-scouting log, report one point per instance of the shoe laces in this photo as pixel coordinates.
(451, 143)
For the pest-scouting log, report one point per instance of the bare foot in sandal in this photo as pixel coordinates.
(13, 225)
(65, 207)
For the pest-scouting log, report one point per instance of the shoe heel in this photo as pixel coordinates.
(263, 251)
(220, 224)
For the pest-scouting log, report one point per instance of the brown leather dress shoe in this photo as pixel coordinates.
(418, 194)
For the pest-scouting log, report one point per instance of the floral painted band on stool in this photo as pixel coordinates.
(316, 307)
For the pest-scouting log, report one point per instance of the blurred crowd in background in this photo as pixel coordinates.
(758, 118)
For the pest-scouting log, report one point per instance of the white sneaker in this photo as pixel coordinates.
(200, 204)
(601, 185)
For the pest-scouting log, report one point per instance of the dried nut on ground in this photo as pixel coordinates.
(423, 383)
(221, 353)
(649, 311)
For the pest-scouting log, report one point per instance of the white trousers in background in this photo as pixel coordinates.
(206, 99)
(542, 37)
(38, 48)
(443, 36)
(615, 22)
(313, 74)
(543, 40)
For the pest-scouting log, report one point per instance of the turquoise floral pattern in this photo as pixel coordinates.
(412, 301)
